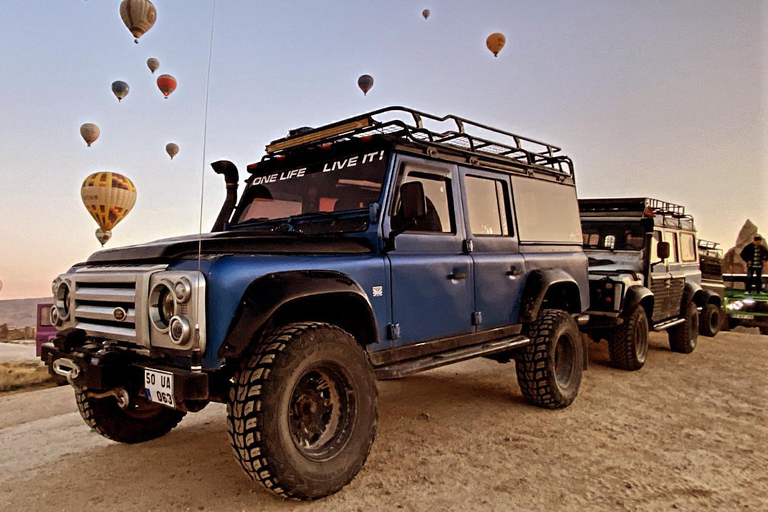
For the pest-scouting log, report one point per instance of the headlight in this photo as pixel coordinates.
(179, 330)
(161, 306)
(61, 300)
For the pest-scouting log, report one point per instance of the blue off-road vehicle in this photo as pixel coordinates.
(374, 247)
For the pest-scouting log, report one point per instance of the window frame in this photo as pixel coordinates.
(673, 251)
(409, 168)
(505, 207)
(693, 246)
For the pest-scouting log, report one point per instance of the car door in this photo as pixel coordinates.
(499, 269)
(432, 295)
(660, 280)
(676, 274)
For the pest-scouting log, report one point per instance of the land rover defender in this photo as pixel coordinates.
(372, 247)
(643, 274)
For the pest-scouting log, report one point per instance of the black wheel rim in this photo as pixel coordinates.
(321, 411)
(641, 341)
(564, 361)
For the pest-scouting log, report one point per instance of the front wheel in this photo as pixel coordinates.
(710, 320)
(684, 337)
(549, 369)
(302, 411)
(138, 421)
(628, 344)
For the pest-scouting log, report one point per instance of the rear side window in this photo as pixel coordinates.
(439, 215)
(45, 316)
(546, 211)
(687, 247)
(487, 206)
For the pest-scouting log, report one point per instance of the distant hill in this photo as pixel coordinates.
(20, 312)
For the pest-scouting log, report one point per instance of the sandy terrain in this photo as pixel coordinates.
(18, 353)
(686, 432)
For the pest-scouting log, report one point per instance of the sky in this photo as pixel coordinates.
(666, 99)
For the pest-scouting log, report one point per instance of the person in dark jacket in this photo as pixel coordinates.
(754, 255)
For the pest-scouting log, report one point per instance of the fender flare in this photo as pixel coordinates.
(710, 297)
(691, 292)
(267, 294)
(538, 283)
(635, 296)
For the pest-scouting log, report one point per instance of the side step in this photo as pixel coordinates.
(397, 370)
(669, 323)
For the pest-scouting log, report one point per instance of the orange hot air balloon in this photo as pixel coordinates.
(138, 16)
(108, 197)
(495, 43)
(166, 84)
(365, 82)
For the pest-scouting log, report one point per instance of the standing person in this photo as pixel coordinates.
(754, 255)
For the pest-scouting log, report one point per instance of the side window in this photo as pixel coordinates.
(439, 214)
(609, 242)
(487, 206)
(672, 239)
(687, 247)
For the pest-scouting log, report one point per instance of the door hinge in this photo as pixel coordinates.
(469, 245)
(393, 331)
(477, 317)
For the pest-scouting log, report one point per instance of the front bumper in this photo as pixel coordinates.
(101, 368)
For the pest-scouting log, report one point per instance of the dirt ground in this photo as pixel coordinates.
(687, 432)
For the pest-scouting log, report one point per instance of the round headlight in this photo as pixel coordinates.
(179, 330)
(161, 306)
(61, 300)
(183, 290)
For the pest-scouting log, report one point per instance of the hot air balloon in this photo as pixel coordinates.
(365, 82)
(120, 89)
(153, 64)
(425, 13)
(138, 16)
(89, 132)
(166, 84)
(172, 149)
(495, 43)
(108, 197)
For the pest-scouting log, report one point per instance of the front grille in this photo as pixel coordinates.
(101, 291)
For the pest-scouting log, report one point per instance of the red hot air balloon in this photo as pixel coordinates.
(365, 82)
(166, 84)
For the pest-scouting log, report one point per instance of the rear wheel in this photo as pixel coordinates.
(136, 422)
(628, 343)
(549, 369)
(302, 411)
(684, 337)
(710, 320)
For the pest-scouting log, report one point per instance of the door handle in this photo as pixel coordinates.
(514, 272)
(457, 275)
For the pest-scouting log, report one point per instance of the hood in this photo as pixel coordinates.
(231, 242)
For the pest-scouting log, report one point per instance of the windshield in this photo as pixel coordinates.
(615, 236)
(345, 183)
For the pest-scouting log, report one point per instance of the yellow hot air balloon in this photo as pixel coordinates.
(138, 16)
(495, 43)
(108, 197)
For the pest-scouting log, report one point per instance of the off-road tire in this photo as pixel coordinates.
(549, 369)
(628, 343)
(684, 337)
(710, 320)
(263, 410)
(141, 421)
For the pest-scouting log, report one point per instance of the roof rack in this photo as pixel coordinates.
(631, 204)
(409, 125)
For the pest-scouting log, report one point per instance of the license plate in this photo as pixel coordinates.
(158, 386)
(741, 317)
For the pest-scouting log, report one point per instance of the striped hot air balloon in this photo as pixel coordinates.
(166, 84)
(108, 197)
(138, 16)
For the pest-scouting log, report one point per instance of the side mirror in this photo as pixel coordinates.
(413, 200)
(662, 250)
